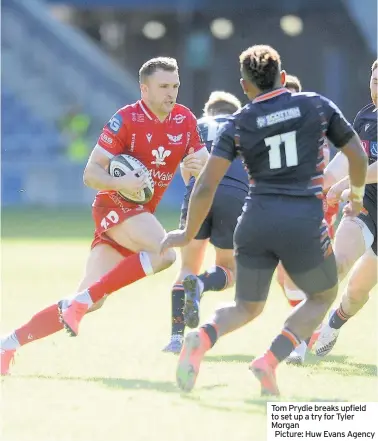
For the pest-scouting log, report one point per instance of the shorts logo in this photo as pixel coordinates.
(178, 119)
(149, 137)
(160, 155)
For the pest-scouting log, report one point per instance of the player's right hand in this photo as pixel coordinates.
(354, 206)
(131, 182)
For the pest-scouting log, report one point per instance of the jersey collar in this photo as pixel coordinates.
(272, 94)
(150, 115)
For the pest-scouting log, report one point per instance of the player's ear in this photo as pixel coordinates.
(143, 88)
(283, 77)
(243, 85)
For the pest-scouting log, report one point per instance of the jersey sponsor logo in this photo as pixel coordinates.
(161, 179)
(178, 119)
(365, 145)
(373, 148)
(132, 145)
(149, 137)
(106, 139)
(278, 117)
(175, 139)
(115, 123)
(367, 126)
(370, 148)
(160, 155)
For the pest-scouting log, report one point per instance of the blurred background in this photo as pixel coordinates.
(68, 65)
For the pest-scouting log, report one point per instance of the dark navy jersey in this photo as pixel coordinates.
(280, 136)
(365, 124)
(236, 175)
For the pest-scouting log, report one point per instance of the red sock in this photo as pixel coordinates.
(294, 303)
(128, 271)
(42, 324)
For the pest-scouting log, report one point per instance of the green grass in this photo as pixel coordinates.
(114, 383)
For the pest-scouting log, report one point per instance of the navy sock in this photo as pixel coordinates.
(211, 332)
(178, 301)
(215, 279)
(338, 318)
(284, 344)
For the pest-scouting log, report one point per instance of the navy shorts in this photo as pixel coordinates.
(289, 229)
(369, 217)
(221, 221)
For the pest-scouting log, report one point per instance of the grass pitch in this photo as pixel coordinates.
(113, 383)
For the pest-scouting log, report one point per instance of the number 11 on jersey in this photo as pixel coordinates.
(290, 143)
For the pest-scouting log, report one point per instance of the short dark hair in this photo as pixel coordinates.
(374, 65)
(220, 102)
(159, 63)
(292, 82)
(261, 65)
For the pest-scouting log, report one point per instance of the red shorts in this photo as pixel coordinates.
(330, 216)
(109, 210)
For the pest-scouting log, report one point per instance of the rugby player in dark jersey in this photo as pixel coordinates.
(280, 137)
(357, 236)
(218, 229)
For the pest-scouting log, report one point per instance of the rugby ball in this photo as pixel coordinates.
(122, 164)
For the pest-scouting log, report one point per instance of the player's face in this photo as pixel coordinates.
(374, 86)
(160, 91)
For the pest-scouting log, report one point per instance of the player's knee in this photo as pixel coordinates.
(325, 297)
(250, 309)
(167, 259)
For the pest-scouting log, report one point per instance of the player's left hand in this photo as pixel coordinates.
(175, 238)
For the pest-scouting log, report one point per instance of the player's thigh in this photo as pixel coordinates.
(310, 262)
(102, 258)
(142, 232)
(363, 277)
(351, 242)
(255, 263)
(227, 208)
(192, 256)
(253, 276)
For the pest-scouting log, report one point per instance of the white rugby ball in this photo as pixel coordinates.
(120, 165)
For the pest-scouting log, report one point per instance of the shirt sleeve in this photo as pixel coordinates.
(224, 144)
(339, 130)
(113, 138)
(195, 140)
(357, 123)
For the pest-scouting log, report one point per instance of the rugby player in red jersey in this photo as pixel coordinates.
(126, 247)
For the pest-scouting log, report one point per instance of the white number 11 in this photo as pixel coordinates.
(290, 143)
